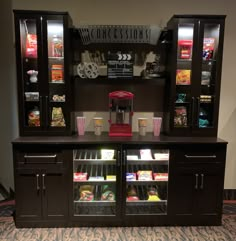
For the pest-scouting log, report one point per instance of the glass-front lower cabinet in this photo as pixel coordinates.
(111, 184)
(96, 183)
(146, 177)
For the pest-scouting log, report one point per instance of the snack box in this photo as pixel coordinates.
(131, 176)
(111, 178)
(144, 175)
(161, 156)
(131, 157)
(80, 176)
(160, 176)
(146, 154)
(107, 154)
(96, 178)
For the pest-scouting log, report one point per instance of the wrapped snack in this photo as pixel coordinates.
(57, 117)
(153, 194)
(144, 175)
(86, 193)
(160, 176)
(80, 176)
(34, 117)
(130, 176)
(108, 193)
(132, 194)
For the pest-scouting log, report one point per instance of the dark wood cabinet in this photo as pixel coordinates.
(195, 62)
(41, 185)
(199, 182)
(43, 72)
(152, 181)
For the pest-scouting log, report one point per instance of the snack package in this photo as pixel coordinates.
(108, 193)
(86, 193)
(132, 194)
(107, 154)
(144, 175)
(185, 49)
(180, 118)
(208, 48)
(183, 77)
(80, 176)
(130, 176)
(97, 178)
(31, 46)
(34, 117)
(160, 176)
(111, 177)
(153, 194)
(57, 117)
(146, 154)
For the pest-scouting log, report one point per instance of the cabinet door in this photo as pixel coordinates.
(55, 195)
(196, 60)
(146, 172)
(96, 182)
(29, 72)
(28, 195)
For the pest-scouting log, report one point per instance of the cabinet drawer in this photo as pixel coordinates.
(200, 154)
(30, 158)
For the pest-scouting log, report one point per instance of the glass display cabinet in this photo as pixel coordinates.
(146, 175)
(195, 73)
(96, 174)
(42, 44)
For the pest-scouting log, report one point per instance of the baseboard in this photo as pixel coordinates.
(229, 194)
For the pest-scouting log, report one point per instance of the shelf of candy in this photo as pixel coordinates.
(145, 176)
(142, 195)
(95, 156)
(95, 194)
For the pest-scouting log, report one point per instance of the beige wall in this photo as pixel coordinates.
(158, 12)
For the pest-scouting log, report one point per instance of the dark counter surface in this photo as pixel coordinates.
(90, 138)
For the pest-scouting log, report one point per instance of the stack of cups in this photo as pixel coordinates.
(157, 125)
(142, 126)
(98, 123)
(80, 120)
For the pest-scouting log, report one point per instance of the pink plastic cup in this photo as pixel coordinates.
(156, 125)
(80, 125)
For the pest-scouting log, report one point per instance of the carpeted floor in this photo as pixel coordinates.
(226, 232)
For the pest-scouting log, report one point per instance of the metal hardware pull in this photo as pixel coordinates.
(39, 156)
(37, 182)
(46, 110)
(124, 158)
(202, 181)
(118, 158)
(44, 187)
(210, 156)
(196, 181)
(193, 103)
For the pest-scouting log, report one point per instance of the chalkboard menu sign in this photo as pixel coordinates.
(120, 65)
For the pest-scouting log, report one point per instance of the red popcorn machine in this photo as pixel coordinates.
(121, 112)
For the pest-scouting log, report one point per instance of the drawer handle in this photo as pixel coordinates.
(202, 181)
(44, 187)
(196, 181)
(211, 156)
(37, 182)
(43, 156)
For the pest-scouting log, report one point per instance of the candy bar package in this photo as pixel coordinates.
(208, 48)
(144, 175)
(80, 176)
(31, 46)
(130, 176)
(160, 176)
(185, 49)
(183, 76)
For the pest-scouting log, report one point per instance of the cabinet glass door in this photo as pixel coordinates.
(182, 111)
(208, 76)
(95, 178)
(146, 181)
(29, 70)
(56, 97)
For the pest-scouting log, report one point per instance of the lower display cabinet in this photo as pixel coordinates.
(79, 182)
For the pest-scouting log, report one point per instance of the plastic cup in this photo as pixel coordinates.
(98, 124)
(142, 126)
(80, 120)
(157, 125)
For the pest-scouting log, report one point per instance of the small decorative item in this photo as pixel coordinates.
(180, 119)
(33, 76)
(181, 98)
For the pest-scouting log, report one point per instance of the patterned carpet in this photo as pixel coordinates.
(226, 232)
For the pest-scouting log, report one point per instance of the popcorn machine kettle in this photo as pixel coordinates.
(121, 112)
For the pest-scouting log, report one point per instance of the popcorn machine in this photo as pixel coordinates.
(121, 112)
